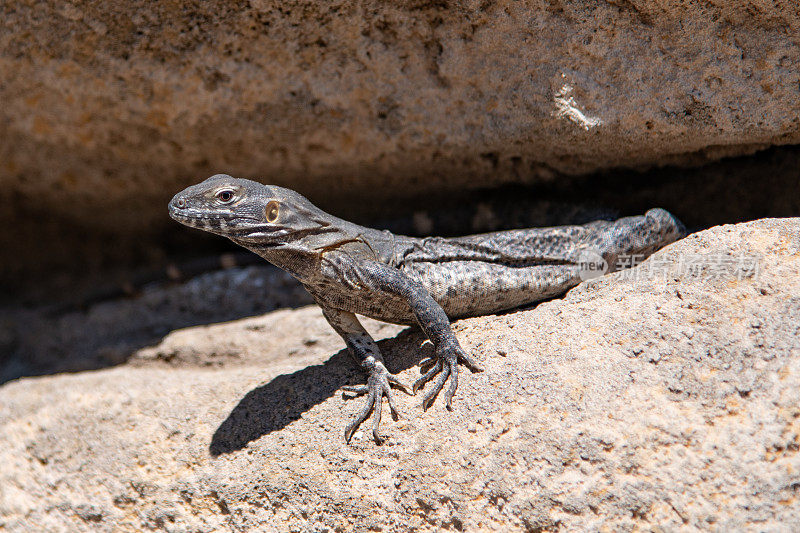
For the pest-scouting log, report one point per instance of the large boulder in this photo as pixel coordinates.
(109, 108)
(658, 398)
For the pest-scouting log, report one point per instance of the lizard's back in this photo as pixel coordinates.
(492, 272)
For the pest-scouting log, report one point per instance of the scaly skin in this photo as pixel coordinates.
(351, 269)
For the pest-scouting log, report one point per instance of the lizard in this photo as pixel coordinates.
(353, 270)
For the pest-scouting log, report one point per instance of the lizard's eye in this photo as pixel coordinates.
(225, 196)
(272, 211)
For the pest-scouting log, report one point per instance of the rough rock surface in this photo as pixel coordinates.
(110, 107)
(666, 397)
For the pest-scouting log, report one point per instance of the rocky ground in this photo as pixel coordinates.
(662, 398)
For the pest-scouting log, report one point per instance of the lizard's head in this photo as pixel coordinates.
(247, 211)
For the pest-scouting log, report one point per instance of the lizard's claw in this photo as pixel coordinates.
(379, 385)
(442, 366)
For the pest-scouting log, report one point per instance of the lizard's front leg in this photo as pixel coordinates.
(379, 381)
(434, 323)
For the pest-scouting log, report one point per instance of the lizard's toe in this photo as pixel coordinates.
(451, 390)
(379, 386)
(376, 424)
(444, 366)
(390, 401)
(427, 401)
(356, 390)
(427, 363)
(469, 362)
(362, 415)
(428, 375)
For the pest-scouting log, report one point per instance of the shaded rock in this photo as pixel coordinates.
(41, 342)
(667, 396)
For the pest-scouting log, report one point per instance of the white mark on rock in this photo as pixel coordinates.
(567, 107)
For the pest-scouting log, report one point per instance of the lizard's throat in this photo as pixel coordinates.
(299, 263)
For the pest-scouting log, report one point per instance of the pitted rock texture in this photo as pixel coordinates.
(666, 397)
(109, 108)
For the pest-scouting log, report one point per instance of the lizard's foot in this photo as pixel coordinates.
(444, 364)
(379, 384)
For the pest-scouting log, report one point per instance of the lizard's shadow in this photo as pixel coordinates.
(273, 406)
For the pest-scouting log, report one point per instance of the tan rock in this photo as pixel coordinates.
(665, 397)
(108, 109)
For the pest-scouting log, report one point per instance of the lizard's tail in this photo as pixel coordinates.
(629, 240)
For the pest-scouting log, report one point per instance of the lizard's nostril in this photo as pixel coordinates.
(181, 203)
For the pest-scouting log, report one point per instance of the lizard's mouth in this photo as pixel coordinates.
(190, 218)
(229, 226)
